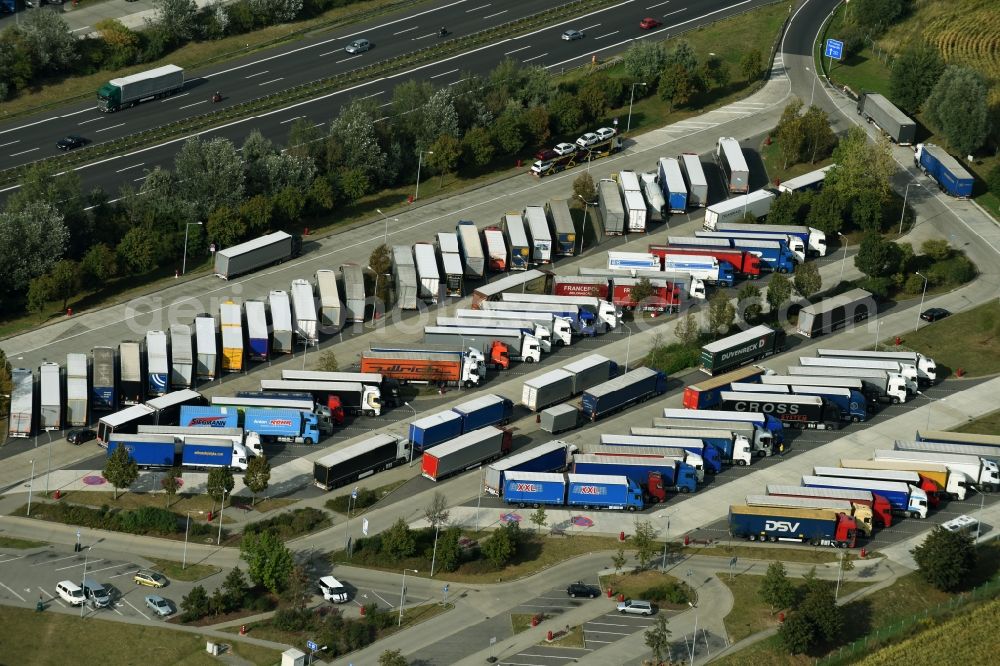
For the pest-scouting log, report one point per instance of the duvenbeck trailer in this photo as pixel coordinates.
(282, 334)
(77, 393)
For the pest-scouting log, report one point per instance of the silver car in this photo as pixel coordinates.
(358, 46)
(572, 35)
(635, 607)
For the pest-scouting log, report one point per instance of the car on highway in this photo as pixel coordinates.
(572, 35)
(159, 605)
(635, 607)
(581, 589)
(934, 314)
(149, 578)
(604, 133)
(649, 23)
(358, 46)
(81, 436)
(564, 148)
(70, 141)
(587, 139)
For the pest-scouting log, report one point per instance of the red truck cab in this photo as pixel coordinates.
(846, 531)
(655, 492)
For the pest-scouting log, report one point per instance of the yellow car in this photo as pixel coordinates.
(149, 579)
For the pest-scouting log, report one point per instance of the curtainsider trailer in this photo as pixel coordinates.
(434, 429)
(694, 175)
(465, 452)
(157, 364)
(709, 457)
(258, 253)
(564, 242)
(818, 527)
(953, 485)
(549, 457)
(807, 182)
(404, 275)
(329, 300)
(423, 366)
(258, 344)
(429, 280)
(861, 513)
(282, 333)
(231, 326)
(729, 156)
(895, 124)
(672, 184)
(50, 397)
(541, 237)
(304, 313)
(705, 394)
(553, 387)
(471, 249)
(77, 393)
(103, 396)
(878, 507)
(949, 174)
(616, 394)
(355, 297)
(181, 357)
(207, 360)
(982, 473)
(517, 240)
(485, 410)
(131, 379)
(742, 348)
(798, 411)
(834, 312)
(807, 240)
(127, 91)
(905, 500)
(609, 202)
(358, 461)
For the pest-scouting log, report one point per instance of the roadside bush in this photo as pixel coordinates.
(290, 524)
(293, 619)
(366, 498)
(672, 358)
(673, 593)
(148, 520)
(195, 605)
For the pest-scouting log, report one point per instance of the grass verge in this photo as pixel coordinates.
(969, 340)
(651, 585)
(53, 639)
(520, 622)
(190, 573)
(573, 638)
(797, 554)
(984, 425)
(23, 544)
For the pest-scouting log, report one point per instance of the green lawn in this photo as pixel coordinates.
(984, 425)
(768, 554)
(177, 570)
(23, 544)
(641, 585)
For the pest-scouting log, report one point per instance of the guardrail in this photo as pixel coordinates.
(303, 92)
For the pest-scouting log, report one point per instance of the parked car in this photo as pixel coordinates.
(572, 35)
(635, 607)
(70, 141)
(149, 578)
(358, 46)
(564, 148)
(587, 139)
(934, 314)
(581, 589)
(649, 23)
(81, 435)
(96, 594)
(159, 605)
(333, 590)
(605, 133)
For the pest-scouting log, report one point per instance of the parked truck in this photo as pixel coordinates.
(905, 370)
(206, 453)
(616, 394)
(870, 393)
(564, 244)
(358, 461)
(742, 348)
(181, 357)
(529, 282)
(258, 346)
(517, 241)
(709, 457)
(485, 410)
(465, 452)
(761, 421)
(404, 275)
(799, 411)
(780, 248)
(355, 298)
(201, 416)
(538, 330)
(952, 485)
(582, 320)
(704, 267)
(681, 455)
(434, 429)
(50, 397)
(663, 297)
(127, 91)
(878, 507)
(672, 184)
(817, 527)
(147, 451)
(656, 204)
(512, 343)
(811, 241)
(103, 393)
(329, 300)
(684, 285)
(609, 202)
(579, 490)
(658, 476)
(427, 272)
(443, 367)
(123, 421)
(303, 303)
(905, 500)
(207, 358)
(861, 513)
(925, 366)
(832, 313)
(77, 392)
(452, 274)
(541, 237)
(807, 182)
(697, 184)
(549, 457)
(734, 167)
(350, 397)
(774, 254)
(911, 478)
(949, 174)
(984, 451)
(231, 326)
(852, 403)
(471, 249)
(282, 333)
(895, 124)
(733, 448)
(131, 379)
(283, 425)
(387, 386)
(255, 254)
(636, 213)
(604, 311)
(761, 440)
(497, 253)
(957, 437)
(744, 263)
(157, 364)
(757, 203)
(548, 389)
(559, 329)
(629, 261)
(982, 473)
(705, 394)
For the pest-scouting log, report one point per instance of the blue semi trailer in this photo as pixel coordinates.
(434, 429)
(657, 475)
(775, 255)
(550, 457)
(283, 425)
(949, 174)
(904, 499)
(709, 455)
(484, 411)
(583, 490)
(146, 450)
(618, 393)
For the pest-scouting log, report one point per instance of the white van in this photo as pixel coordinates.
(70, 592)
(333, 590)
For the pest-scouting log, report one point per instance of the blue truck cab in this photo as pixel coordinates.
(852, 403)
(287, 425)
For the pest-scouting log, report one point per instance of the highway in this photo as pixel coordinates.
(607, 31)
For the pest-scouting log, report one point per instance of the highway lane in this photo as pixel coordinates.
(608, 31)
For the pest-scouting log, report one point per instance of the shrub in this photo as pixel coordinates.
(291, 523)
(674, 593)
(293, 619)
(366, 498)
(672, 358)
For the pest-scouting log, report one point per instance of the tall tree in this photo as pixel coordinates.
(826, 211)
(819, 138)
(508, 131)
(176, 19)
(775, 589)
(914, 74)
(752, 65)
(392, 658)
(657, 639)
(257, 476)
(538, 518)
(120, 469)
(688, 331)
(945, 559)
(958, 107)
(721, 314)
(220, 483)
(584, 187)
(807, 280)
(861, 166)
(675, 86)
(32, 240)
(210, 174)
(398, 541)
(779, 290)
(48, 41)
(644, 541)
(269, 562)
(873, 257)
(820, 606)
(790, 133)
(748, 303)
(171, 483)
(644, 60)
(328, 362)
(353, 144)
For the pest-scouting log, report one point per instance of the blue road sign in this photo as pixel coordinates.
(312, 646)
(834, 49)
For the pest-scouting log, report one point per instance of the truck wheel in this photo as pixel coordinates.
(855, 419)
(530, 359)
(521, 505)
(743, 463)
(631, 508)
(914, 514)
(987, 487)
(895, 400)
(535, 505)
(685, 491)
(752, 537)
(814, 542)
(774, 539)
(308, 441)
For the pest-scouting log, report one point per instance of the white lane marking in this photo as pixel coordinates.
(351, 58)
(14, 593)
(516, 50)
(250, 76)
(23, 152)
(455, 83)
(76, 113)
(78, 564)
(608, 34)
(188, 106)
(79, 29)
(105, 129)
(429, 34)
(113, 566)
(271, 81)
(382, 106)
(126, 573)
(444, 74)
(496, 14)
(140, 179)
(38, 564)
(37, 122)
(9, 143)
(475, 9)
(678, 11)
(51, 597)
(404, 31)
(590, 27)
(134, 166)
(290, 120)
(576, 19)
(372, 95)
(173, 97)
(659, 4)
(535, 57)
(92, 120)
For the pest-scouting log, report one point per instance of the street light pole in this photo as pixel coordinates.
(347, 535)
(479, 496)
(385, 239)
(843, 262)
(420, 159)
(666, 539)
(31, 483)
(402, 596)
(583, 225)
(184, 263)
(878, 327)
(83, 580)
(628, 344)
(631, 98)
(221, 511)
(921, 308)
(187, 525)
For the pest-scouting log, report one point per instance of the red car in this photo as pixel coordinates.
(649, 23)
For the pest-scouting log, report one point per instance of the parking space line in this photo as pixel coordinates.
(382, 598)
(126, 573)
(540, 606)
(38, 564)
(12, 559)
(51, 598)
(14, 593)
(594, 640)
(609, 624)
(136, 609)
(79, 564)
(613, 633)
(547, 656)
(113, 566)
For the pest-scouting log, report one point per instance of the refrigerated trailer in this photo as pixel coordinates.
(258, 345)
(496, 249)
(181, 357)
(905, 370)
(50, 397)
(452, 274)
(564, 244)
(925, 366)
(885, 386)
(517, 240)
(157, 364)
(807, 240)
(77, 392)
(22, 403)
(806, 182)
(104, 394)
(355, 299)
(130, 379)
(559, 328)
(697, 184)
(282, 333)
(231, 325)
(304, 313)
(471, 248)
(878, 506)
(952, 484)
(427, 272)
(957, 437)
(835, 312)
(541, 237)
(257, 253)
(167, 408)
(904, 499)
(207, 362)
(980, 450)
(329, 300)
(358, 461)
(520, 346)
(757, 203)
(730, 158)
(982, 473)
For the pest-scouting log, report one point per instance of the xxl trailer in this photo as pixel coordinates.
(879, 507)
(952, 485)
(254, 254)
(861, 513)
(798, 411)
(709, 456)
(131, 379)
(361, 460)
(258, 346)
(745, 263)
(22, 403)
(231, 327)
(609, 203)
(694, 175)
(587, 491)
(549, 457)
(355, 298)
(404, 275)
(77, 392)
(818, 527)
(471, 249)
(740, 349)
(905, 500)
(181, 357)
(730, 158)
(282, 332)
(50, 397)
(895, 124)
(541, 236)
(330, 317)
(889, 386)
(925, 366)
(127, 91)
(564, 241)
(517, 241)
(621, 392)
(465, 452)
(304, 313)
(756, 204)
(529, 282)
(835, 312)
(949, 174)
(205, 345)
(656, 475)
(103, 392)
(124, 421)
(705, 394)
(982, 473)
(672, 184)
(429, 280)
(419, 366)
